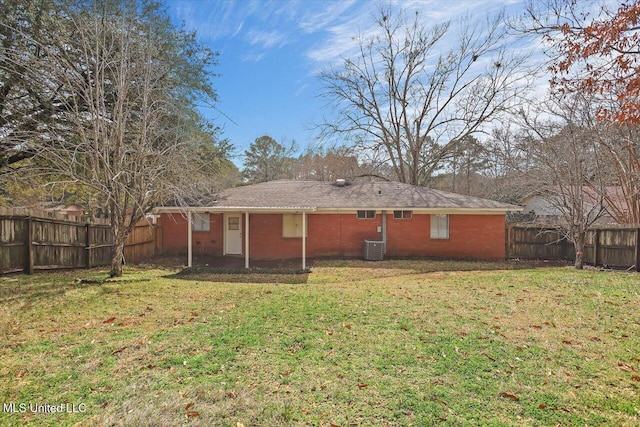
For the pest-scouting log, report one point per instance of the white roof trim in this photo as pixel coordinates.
(250, 209)
(258, 209)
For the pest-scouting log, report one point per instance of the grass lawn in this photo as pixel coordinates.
(392, 343)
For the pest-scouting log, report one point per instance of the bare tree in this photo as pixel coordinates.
(409, 100)
(593, 49)
(507, 165)
(328, 165)
(130, 81)
(568, 169)
(621, 151)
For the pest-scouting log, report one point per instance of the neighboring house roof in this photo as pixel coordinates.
(322, 195)
(542, 205)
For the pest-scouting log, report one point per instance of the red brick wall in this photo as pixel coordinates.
(470, 236)
(174, 236)
(327, 235)
(340, 234)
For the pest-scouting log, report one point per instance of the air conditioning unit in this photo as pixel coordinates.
(373, 250)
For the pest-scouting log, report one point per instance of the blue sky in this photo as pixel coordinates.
(271, 52)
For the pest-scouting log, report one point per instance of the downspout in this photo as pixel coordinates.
(189, 240)
(246, 239)
(304, 240)
(384, 232)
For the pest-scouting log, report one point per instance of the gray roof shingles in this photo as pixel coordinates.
(289, 194)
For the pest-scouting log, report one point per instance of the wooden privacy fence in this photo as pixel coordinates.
(614, 246)
(29, 243)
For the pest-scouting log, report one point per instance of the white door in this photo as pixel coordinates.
(233, 234)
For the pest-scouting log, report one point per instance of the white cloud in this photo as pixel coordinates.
(341, 38)
(316, 20)
(266, 40)
(253, 57)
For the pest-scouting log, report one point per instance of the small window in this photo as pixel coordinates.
(234, 223)
(200, 221)
(402, 214)
(366, 214)
(439, 226)
(292, 226)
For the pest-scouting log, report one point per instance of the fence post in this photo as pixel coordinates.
(28, 268)
(637, 249)
(88, 244)
(596, 246)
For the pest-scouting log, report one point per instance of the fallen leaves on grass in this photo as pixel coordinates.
(626, 367)
(110, 320)
(120, 350)
(437, 399)
(509, 396)
(189, 412)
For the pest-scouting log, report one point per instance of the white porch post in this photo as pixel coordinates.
(304, 240)
(189, 240)
(246, 239)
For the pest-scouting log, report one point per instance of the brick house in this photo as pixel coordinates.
(266, 221)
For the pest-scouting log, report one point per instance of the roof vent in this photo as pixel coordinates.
(341, 182)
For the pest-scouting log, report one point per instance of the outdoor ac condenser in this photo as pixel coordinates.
(373, 250)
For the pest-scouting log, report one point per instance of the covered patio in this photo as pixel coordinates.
(242, 257)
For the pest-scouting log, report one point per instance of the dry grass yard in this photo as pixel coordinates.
(394, 343)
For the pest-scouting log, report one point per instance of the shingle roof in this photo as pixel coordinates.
(288, 194)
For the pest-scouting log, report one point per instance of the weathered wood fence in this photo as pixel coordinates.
(614, 246)
(31, 241)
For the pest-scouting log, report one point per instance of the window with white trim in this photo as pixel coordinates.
(402, 214)
(292, 226)
(200, 221)
(439, 226)
(366, 214)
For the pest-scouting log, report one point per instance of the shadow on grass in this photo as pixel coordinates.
(235, 275)
(34, 290)
(43, 286)
(433, 265)
(275, 273)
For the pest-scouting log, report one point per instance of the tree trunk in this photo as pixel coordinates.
(117, 260)
(579, 246)
(120, 234)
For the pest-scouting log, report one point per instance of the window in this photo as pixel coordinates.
(234, 223)
(439, 226)
(402, 214)
(366, 214)
(292, 225)
(200, 222)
